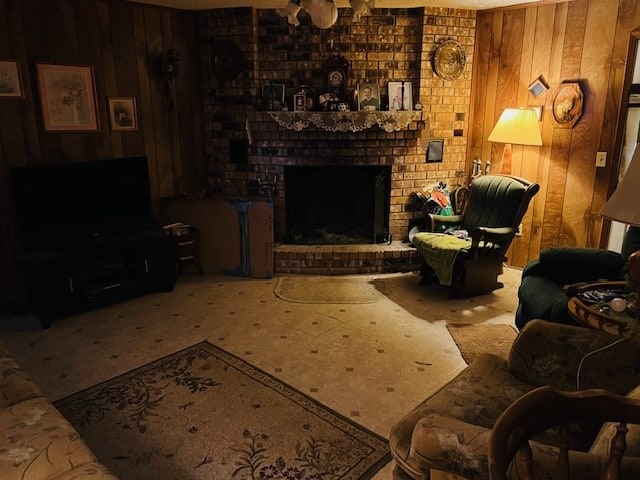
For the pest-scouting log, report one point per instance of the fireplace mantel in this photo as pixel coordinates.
(389, 121)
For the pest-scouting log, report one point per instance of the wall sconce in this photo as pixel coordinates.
(166, 67)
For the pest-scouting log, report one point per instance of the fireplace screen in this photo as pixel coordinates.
(337, 204)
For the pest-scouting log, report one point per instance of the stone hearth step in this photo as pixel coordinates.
(346, 259)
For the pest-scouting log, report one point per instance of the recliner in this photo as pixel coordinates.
(494, 209)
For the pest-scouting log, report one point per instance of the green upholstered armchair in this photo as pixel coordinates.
(492, 214)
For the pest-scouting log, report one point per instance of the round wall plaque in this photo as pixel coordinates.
(227, 60)
(449, 59)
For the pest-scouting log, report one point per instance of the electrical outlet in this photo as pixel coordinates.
(601, 159)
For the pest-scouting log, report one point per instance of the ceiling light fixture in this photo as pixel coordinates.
(323, 13)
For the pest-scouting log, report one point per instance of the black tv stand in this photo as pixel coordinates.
(78, 276)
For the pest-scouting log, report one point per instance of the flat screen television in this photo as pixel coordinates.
(58, 204)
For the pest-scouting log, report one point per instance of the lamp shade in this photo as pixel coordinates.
(517, 125)
(624, 204)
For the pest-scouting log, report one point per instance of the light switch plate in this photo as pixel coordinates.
(601, 159)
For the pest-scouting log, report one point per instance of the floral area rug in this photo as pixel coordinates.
(203, 413)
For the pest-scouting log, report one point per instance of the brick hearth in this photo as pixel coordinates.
(346, 259)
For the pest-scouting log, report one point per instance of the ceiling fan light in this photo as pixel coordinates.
(323, 13)
(362, 8)
(291, 12)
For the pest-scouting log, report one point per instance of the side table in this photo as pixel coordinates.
(187, 244)
(590, 307)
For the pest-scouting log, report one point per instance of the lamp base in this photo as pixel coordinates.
(505, 166)
(633, 269)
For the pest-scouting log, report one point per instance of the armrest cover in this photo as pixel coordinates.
(568, 357)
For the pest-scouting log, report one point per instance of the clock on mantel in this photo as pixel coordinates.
(336, 69)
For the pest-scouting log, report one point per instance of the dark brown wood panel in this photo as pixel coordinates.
(116, 39)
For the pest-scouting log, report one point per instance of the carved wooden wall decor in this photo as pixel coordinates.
(567, 104)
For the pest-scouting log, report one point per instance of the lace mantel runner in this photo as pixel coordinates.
(346, 121)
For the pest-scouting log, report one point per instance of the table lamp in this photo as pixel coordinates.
(624, 207)
(515, 125)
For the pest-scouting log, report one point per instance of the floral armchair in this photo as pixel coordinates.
(449, 431)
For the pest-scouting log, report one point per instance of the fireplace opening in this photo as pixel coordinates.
(337, 204)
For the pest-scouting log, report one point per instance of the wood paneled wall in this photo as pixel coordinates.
(583, 41)
(120, 40)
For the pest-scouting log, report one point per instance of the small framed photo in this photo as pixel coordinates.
(400, 96)
(368, 96)
(299, 102)
(435, 150)
(122, 114)
(67, 97)
(273, 96)
(538, 87)
(10, 79)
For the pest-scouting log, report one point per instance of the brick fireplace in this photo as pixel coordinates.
(247, 149)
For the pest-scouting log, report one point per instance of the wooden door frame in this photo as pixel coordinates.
(632, 51)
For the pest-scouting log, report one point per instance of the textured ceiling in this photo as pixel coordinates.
(464, 4)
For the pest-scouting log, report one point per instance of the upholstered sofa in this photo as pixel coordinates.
(449, 431)
(36, 442)
(548, 282)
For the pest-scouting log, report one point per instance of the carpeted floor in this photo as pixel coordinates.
(203, 413)
(473, 340)
(371, 362)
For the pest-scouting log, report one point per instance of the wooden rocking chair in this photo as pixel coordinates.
(545, 408)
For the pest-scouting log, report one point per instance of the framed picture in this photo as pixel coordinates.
(299, 102)
(10, 79)
(67, 97)
(273, 96)
(400, 96)
(368, 96)
(122, 114)
(538, 87)
(435, 150)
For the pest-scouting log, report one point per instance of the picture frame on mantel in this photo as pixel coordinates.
(400, 96)
(11, 80)
(67, 98)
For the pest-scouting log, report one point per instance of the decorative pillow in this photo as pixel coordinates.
(602, 443)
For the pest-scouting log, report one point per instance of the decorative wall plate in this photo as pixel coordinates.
(227, 60)
(567, 105)
(449, 60)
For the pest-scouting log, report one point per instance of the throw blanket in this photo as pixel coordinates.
(440, 252)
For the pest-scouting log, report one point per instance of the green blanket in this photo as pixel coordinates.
(440, 252)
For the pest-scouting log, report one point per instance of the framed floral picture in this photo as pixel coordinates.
(67, 97)
(122, 114)
(10, 79)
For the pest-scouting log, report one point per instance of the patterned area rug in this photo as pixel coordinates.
(307, 289)
(473, 340)
(203, 413)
